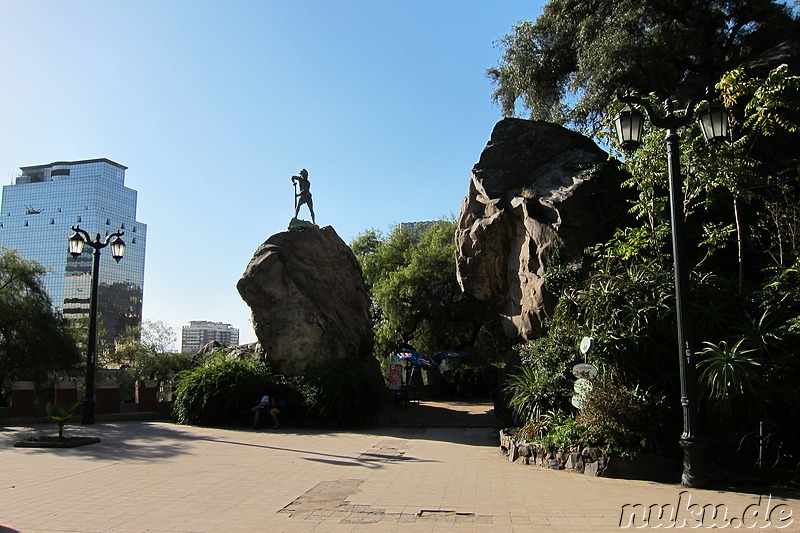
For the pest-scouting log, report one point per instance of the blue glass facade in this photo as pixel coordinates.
(36, 216)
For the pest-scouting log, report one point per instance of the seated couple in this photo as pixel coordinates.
(267, 404)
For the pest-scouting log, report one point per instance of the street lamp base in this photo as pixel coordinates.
(694, 465)
(87, 418)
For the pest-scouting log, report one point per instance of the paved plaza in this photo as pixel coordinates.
(161, 477)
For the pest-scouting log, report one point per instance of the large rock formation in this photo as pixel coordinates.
(537, 187)
(308, 300)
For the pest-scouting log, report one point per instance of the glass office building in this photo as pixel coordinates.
(36, 216)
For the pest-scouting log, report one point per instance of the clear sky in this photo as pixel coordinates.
(213, 106)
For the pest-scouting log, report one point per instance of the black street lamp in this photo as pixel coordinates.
(714, 123)
(76, 243)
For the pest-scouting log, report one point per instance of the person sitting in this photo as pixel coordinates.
(267, 404)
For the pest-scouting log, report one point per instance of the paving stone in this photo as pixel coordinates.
(156, 476)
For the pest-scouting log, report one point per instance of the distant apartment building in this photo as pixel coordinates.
(36, 215)
(199, 333)
(415, 227)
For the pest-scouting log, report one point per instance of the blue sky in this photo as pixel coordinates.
(213, 106)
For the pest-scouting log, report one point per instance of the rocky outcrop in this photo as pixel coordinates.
(538, 192)
(308, 300)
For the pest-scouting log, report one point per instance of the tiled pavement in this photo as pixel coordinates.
(159, 477)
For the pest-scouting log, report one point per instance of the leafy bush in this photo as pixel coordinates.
(222, 389)
(622, 420)
(541, 383)
(554, 429)
(564, 431)
(348, 392)
(727, 371)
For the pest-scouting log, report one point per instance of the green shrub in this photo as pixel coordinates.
(555, 429)
(348, 392)
(542, 383)
(623, 420)
(221, 390)
(563, 431)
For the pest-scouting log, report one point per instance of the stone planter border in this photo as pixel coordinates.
(590, 461)
(53, 442)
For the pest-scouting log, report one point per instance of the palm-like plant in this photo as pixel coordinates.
(529, 393)
(60, 415)
(727, 371)
(763, 333)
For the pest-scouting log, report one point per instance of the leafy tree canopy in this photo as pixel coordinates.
(147, 351)
(416, 299)
(567, 66)
(35, 341)
(741, 206)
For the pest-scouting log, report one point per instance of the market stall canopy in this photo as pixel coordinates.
(420, 359)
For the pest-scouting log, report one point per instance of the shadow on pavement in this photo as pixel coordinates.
(441, 414)
(369, 460)
(454, 422)
(138, 441)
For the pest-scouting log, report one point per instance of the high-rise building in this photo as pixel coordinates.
(36, 215)
(199, 333)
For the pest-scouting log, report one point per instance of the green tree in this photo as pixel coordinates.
(80, 333)
(741, 208)
(147, 351)
(568, 65)
(740, 201)
(35, 341)
(411, 276)
(762, 166)
(740, 198)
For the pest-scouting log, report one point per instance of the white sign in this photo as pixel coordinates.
(579, 401)
(584, 370)
(587, 343)
(583, 386)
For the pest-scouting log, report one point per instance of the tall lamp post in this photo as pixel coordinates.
(714, 123)
(76, 243)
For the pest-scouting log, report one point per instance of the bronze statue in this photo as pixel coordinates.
(304, 196)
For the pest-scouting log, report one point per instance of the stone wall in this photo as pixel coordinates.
(590, 461)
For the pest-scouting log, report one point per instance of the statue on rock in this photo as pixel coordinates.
(302, 197)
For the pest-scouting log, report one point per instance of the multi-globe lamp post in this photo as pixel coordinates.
(713, 120)
(77, 241)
